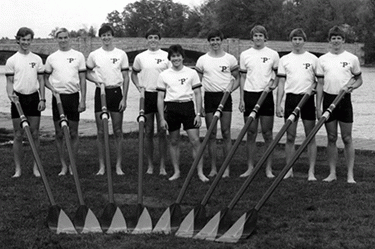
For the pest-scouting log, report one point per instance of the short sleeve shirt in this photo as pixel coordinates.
(148, 65)
(337, 70)
(64, 68)
(216, 71)
(259, 66)
(178, 85)
(299, 71)
(108, 65)
(25, 69)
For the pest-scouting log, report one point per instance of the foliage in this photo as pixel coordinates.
(83, 32)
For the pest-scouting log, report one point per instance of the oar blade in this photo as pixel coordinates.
(85, 221)
(170, 220)
(209, 231)
(241, 229)
(144, 224)
(59, 222)
(193, 222)
(112, 219)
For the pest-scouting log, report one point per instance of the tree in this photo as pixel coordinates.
(83, 32)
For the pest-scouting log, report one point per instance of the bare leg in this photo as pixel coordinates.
(311, 149)
(175, 153)
(59, 141)
(149, 145)
(331, 128)
(117, 118)
(194, 140)
(346, 135)
(251, 146)
(100, 143)
(290, 145)
(225, 122)
(17, 146)
(212, 148)
(162, 135)
(34, 128)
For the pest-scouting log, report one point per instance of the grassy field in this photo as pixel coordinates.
(299, 214)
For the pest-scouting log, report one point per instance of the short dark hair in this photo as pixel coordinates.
(61, 30)
(298, 32)
(258, 29)
(175, 49)
(105, 28)
(153, 31)
(215, 33)
(24, 31)
(336, 31)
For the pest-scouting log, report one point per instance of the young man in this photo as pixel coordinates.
(296, 74)
(177, 86)
(109, 65)
(66, 75)
(24, 73)
(146, 69)
(216, 69)
(257, 67)
(338, 70)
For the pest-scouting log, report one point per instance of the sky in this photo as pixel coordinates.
(42, 16)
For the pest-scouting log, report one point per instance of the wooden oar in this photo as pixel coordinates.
(220, 222)
(142, 222)
(172, 216)
(196, 219)
(84, 220)
(246, 224)
(112, 219)
(57, 219)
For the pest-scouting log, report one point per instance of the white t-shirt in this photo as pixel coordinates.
(25, 69)
(299, 70)
(148, 65)
(337, 70)
(216, 71)
(108, 65)
(178, 85)
(259, 66)
(64, 67)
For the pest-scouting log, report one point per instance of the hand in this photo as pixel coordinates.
(347, 89)
(41, 106)
(319, 113)
(241, 106)
(203, 112)
(279, 111)
(81, 107)
(122, 106)
(163, 124)
(197, 121)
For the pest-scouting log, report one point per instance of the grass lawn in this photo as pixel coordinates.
(299, 214)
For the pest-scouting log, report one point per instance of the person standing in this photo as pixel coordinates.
(109, 65)
(66, 75)
(217, 69)
(296, 74)
(177, 86)
(25, 83)
(338, 70)
(257, 68)
(146, 69)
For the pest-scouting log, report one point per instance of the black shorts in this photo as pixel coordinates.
(251, 98)
(151, 102)
(212, 101)
(307, 111)
(70, 103)
(177, 113)
(343, 111)
(113, 98)
(29, 104)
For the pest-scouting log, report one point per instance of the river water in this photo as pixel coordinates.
(363, 104)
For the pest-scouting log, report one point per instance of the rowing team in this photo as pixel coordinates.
(173, 95)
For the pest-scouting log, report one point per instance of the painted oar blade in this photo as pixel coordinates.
(112, 219)
(59, 222)
(241, 229)
(209, 231)
(144, 224)
(170, 220)
(193, 222)
(85, 221)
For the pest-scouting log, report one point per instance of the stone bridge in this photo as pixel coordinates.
(194, 46)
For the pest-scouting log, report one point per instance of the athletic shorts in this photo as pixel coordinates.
(177, 113)
(113, 98)
(70, 103)
(29, 104)
(307, 111)
(151, 102)
(251, 98)
(343, 111)
(212, 101)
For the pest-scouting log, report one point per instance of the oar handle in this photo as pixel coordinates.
(141, 120)
(26, 126)
(64, 124)
(299, 151)
(269, 150)
(234, 147)
(202, 146)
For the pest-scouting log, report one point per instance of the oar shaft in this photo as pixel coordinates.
(25, 125)
(202, 147)
(141, 120)
(234, 147)
(269, 150)
(299, 151)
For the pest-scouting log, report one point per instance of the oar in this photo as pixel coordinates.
(143, 222)
(220, 222)
(84, 220)
(112, 219)
(196, 219)
(172, 216)
(246, 224)
(57, 219)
